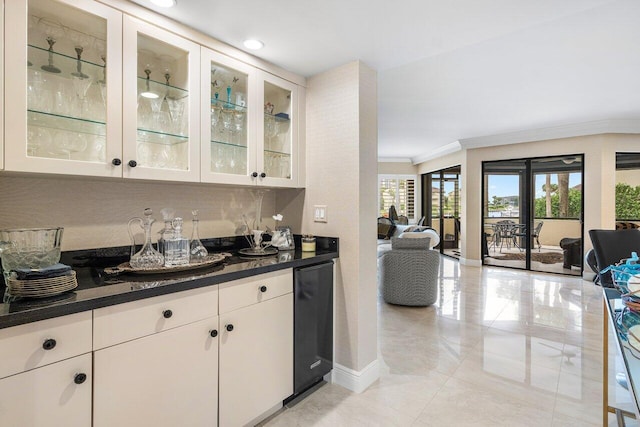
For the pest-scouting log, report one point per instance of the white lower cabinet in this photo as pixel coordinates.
(58, 394)
(256, 359)
(166, 379)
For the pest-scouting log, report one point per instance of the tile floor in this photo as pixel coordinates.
(501, 347)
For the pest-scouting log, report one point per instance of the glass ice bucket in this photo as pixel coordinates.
(31, 248)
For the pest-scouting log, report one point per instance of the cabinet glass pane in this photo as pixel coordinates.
(277, 131)
(228, 120)
(66, 84)
(163, 108)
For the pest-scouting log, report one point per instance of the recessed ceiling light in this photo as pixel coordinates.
(253, 44)
(164, 3)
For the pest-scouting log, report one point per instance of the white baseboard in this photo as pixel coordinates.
(356, 381)
(471, 262)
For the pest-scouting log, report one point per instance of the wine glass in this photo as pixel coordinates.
(53, 31)
(81, 41)
(66, 143)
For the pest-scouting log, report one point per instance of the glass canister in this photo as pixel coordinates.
(30, 247)
(308, 243)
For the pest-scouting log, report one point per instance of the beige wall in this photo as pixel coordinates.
(95, 212)
(342, 174)
(397, 168)
(453, 159)
(631, 177)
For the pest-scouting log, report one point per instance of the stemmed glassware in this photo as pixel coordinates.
(53, 31)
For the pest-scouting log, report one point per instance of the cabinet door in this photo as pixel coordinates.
(228, 105)
(256, 359)
(277, 132)
(55, 395)
(161, 104)
(167, 379)
(65, 111)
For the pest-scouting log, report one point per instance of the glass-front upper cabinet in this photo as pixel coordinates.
(62, 101)
(161, 124)
(228, 133)
(277, 132)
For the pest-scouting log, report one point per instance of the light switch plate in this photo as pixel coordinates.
(320, 213)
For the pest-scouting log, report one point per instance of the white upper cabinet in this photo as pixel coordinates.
(92, 91)
(161, 124)
(249, 124)
(62, 102)
(228, 107)
(277, 157)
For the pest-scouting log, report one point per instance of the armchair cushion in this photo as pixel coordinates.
(403, 243)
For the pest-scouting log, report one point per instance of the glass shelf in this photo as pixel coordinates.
(228, 144)
(277, 153)
(276, 118)
(161, 87)
(65, 123)
(154, 137)
(224, 105)
(65, 63)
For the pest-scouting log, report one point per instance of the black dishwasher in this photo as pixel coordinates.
(313, 325)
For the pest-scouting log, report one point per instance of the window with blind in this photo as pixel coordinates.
(399, 191)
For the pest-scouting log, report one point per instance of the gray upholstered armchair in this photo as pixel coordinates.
(409, 272)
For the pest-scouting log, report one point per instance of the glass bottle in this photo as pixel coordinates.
(196, 249)
(147, 257)
(167, 231)
(176, 249)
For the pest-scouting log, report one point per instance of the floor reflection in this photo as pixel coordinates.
(499, 347)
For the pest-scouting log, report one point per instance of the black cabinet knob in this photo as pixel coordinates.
(263, 288)
(263, 175)
(80, 378)
(167, 314)
(49, 344)
(133, 163)
(116, 162)
(229, 327)
(213, 333)
(255, 174)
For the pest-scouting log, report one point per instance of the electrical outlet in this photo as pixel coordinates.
(320, 213)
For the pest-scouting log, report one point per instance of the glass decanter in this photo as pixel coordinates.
(147, 257)
(176, 249)
(196, 248)
(167, 232)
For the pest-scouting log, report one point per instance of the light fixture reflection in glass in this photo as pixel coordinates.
(253, 44)
(164, 3)
(147, 93)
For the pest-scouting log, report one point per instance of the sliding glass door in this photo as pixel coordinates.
(441, 200)
(533, 214)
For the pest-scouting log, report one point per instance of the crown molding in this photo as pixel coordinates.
(449, 148)
(394, 160)
(555, 132)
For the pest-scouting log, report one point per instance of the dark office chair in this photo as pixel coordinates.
(610, 246)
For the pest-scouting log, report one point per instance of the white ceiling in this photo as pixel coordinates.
(451, 70)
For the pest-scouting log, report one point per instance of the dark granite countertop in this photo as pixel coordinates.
(97, 289)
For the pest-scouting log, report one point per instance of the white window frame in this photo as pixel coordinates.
(417, 206)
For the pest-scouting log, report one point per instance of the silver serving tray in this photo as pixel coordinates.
(209, 261)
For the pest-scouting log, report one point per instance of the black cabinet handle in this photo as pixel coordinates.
(263, 175)
(213, 333)
(49, 344)
(167, 314)
(255, 174)
(229, 327)
(116, 162)
(80, 378)
(133, 163)
(263, 288)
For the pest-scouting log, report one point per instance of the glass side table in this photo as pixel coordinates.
(629, 361)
